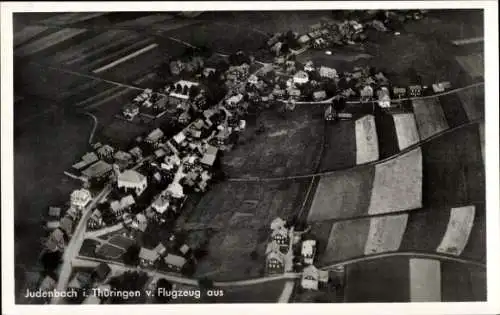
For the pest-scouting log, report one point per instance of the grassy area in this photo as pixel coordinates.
(289, 145)
(462, 283)
(239, 215)
(340, 146)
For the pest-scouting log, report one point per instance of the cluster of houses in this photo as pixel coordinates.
(284, 242)
(172, 256)
(61, 226)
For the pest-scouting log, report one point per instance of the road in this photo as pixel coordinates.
(94, 126)
(75, 243)
(81, 261)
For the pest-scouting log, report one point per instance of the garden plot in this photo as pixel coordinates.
(458, 230)
(366, 140)
(386, 234)
(347, 240)
(397, 184)
(425, 280)
(345, 194)
(406, 130)
(430, 117)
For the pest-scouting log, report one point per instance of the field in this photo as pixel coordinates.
(290, 145)
(340, 146)
(406, 130)
(425, 280)
(385, 233)
(430, 117)
(345, 194)
(461, 282)
(239, 214)
(397, 184)
(109, 252)
(366, 140)
(473, 102)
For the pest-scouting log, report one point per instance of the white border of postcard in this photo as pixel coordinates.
(492, 306)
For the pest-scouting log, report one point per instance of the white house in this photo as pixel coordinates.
(326, 72)
(132, 180)
(308, 251)
(161, 204)
(300, 77)
(175, 190)
(384, 99)
(309, 66)
(80, 198)
(312, 276)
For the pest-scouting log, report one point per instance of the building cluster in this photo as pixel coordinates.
(61, 226)
(289, 250)
(172, 256)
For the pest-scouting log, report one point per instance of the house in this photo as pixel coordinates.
(179, 138)
(160, 249)
(415, 90)
(98, 170)
(175, 262)
(101, 272)
(293, 92)
(209, 156)
(329, 113)
(234, 100)
(319, 95)
(48, 284)
(140, 222)
(175, 190)
(81, 280)
(184, 249)
(106, 151)
(280, 236)
(308, 251)
(123, 159)
(366, 93)
(399, 92)
(52, 225)
(278, 223)
(441, 87)
(309, 66)
(300, 77)
(160, 152)
(95, 220)
(66, 225)
(304, 39)
(80, 198)
(154, 137)
(312, 276)
(252, 79)
(161, 203)
(384, 99)
(326, 72)
(131, 180)
(171, 162)
(275, 259)
(54, 212)
(148, 257)
(136, 153)
(118, 207)
(55, 241)
(184, 117)
(130, 111)
(73, 213)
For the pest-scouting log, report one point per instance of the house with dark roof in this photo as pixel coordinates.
(174, 262)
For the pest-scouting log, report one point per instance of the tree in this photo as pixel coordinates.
(254, 255)
(185, 90)
(178, 88)
(131, 255)
(339, 104)
(166, 286)
(50, 261)
(194, 91)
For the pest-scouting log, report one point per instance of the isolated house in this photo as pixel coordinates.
(399, 92)
(312, 276)
(275, 259)
(175, 262)
(154, 137)
(140, 222)
(131, 180)
(55, 212)
(415, 90)
(80, 198)
(308, 251)
(148, 257)
(326, 72)
(130, 111)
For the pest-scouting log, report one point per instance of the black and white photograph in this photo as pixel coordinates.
(317, 154)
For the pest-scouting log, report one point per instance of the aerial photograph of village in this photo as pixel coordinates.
(308, 156)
